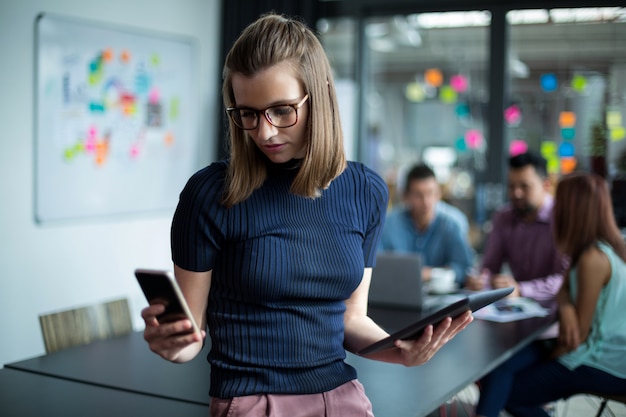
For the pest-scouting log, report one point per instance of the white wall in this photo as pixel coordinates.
(51, 267)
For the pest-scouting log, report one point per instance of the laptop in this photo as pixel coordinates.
(397, 281)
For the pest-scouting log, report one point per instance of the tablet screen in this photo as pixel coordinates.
(414, 331)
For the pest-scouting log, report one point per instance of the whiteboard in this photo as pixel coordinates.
(114, 119)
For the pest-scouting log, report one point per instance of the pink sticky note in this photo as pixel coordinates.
(459, 83)
(473, 138)
(517, 147)
(154, 96)
(134, 151)
(512, 115)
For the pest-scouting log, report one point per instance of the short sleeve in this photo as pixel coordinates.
(197, 230)
(378, 197)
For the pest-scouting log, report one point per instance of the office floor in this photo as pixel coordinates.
(577, 406)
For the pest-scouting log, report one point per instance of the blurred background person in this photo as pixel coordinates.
(426, 225)
(591, 350)
(521, 237)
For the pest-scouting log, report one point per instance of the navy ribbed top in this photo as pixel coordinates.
(282, 267)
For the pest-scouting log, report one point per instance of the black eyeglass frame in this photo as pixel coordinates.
(296, 106)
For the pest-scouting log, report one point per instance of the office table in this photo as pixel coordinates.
(396, 390)
(127, 364)
(26, 394)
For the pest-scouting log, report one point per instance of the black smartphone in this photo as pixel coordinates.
(160, 287)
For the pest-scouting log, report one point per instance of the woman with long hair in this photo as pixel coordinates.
(591, 352)
(273, 248)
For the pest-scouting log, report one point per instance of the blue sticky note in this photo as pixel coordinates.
(566, 149)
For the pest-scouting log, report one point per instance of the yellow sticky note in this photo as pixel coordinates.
(554, 164)
(415, 92)
(617, 133)
(447, 95)
(548, 149)
(613, 119)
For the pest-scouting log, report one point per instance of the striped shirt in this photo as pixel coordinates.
(283, 265)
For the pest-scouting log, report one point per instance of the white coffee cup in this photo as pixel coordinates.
(442, 280)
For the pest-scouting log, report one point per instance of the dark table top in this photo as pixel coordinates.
(27, 394)
(396, 390)
(127, 364)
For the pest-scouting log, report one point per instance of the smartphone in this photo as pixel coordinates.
(160, 287)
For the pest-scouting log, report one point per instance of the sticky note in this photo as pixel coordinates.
(613, 119)
(125, 56)
(433, 77)
(617, 133)
(566, 149)
(548, 149)
(568, 165)
(459, 83)
(473, 138)
(517, 147)
(415, 92)
(462, 110)
(447, 95)
(579, 83)
(512, 115)
(568, 133)
(567, 119)
(460, 144)
(107, 55)
(549, 82)
(554, 164)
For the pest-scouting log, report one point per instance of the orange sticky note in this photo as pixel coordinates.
(567, 119)
(568, 165)
(433, 77)
(125, 56)
(107, 55)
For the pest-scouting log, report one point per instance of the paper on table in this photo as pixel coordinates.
(511, 309)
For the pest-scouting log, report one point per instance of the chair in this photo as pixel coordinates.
(593, 399)
(605, 398)
(83, 325)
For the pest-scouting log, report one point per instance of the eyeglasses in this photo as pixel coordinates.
(284, 115)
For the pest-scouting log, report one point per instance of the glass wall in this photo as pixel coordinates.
(569, 98)
(416, 88)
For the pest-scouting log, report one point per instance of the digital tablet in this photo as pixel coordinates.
(471, 302)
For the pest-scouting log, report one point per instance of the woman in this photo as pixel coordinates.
(591, 351)
(273, 248)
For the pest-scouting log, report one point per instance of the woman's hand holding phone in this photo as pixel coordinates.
(176, 340)
(170, 331)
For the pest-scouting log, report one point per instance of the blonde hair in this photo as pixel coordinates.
(270, 40)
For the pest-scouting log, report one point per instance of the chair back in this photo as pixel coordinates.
(594, 398)
(605, 398)
(84, 325)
